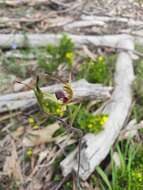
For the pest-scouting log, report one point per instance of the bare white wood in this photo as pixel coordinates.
(105, 19)
(42, 40)
(82, 23)
(81, 89)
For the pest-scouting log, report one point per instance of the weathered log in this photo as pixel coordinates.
(98, 146)
(42, 40)
(81, 88)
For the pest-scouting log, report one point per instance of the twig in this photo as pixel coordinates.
(61, 183)
(70, 129)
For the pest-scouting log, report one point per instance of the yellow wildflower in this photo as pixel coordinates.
(90, 126)
(69, 55)
(105, 118)
(100, 58)
(139, 175)
(31, 120)
(35, 126)
(102, 122)
(29, 152)
(59, 112)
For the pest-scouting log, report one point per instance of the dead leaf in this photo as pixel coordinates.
(89, 53)
(116, 159)
(19, 131)
(40, 136)
(12, 165)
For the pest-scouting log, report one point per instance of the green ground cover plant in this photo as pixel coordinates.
(129, 175)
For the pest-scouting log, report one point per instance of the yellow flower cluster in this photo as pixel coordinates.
(95, 123)
(103, 119)
(35, 126)
(69, 58)
(101, 59)
(31, 120)
(90, 126)
(29, 152)
(69, 55)
(137, 175)
(60, 110)
(33, 123)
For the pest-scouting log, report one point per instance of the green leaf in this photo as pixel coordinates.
(104, 177)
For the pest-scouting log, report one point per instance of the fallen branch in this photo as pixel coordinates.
(15, 3)
(42, 40)
(116, 19)
(98, 146)
(76, 24)
(18, 55)
(16, 22)
(82, 89)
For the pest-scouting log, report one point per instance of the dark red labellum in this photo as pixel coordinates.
(61, 96)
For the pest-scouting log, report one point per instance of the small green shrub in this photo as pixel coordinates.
(12, 66)
(62, 53)
(129, 175)
(138, 67)
(57, 177)
(96, 71)
(138, 90)
(132, 178)
(68, 185)
(88, 122)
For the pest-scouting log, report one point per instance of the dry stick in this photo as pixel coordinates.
(61, 183)
(79, 150)
(80, 133)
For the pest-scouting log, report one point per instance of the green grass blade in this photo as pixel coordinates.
(104, 177)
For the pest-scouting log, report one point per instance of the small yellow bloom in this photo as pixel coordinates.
(35, 126)
(31, 120)
(100, 58)
(29, 152)
(102, 122)
(105, 118)
(58, 111)
(139, 175)
(90, 126)
(61, 114)
(69, 55)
